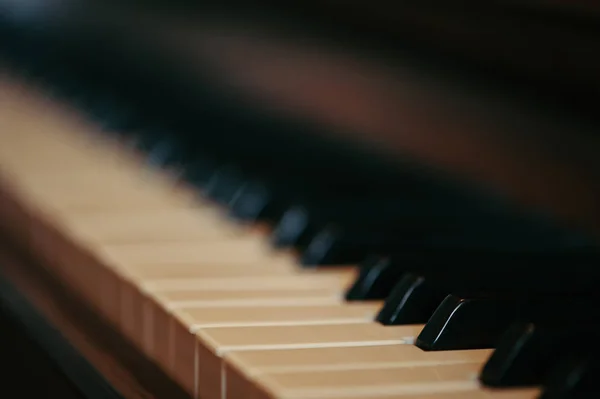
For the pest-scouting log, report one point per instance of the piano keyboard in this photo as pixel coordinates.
(204, 297)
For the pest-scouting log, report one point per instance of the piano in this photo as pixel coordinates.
(300, 201)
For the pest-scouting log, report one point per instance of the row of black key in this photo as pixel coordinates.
(477, 274)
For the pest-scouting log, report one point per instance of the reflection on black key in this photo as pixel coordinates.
(292, 229)
(575, 378)
(334, 245)
(224, 184)
(328, 247)
(527, 352)
(198, 171)
(354, 224)
(466, 323)
(376, 278)
(164, 153)
(478, 321)
(412, 301)
(251, 202)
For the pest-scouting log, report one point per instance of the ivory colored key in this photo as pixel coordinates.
(218, 292)
(66, 196)
(332, 383)
(151, 226)
(179, 260)
(242, 367)
(133, 301)
(248, 297)
(238, 251)
(136, 263)
(393, 381)
(213, 343)
(475, 393)
(479, 393)
(25, 109)
(166, 271)
(160, 297)
(189, 321)
(196, 318)
(334, 279)
(254, 362)
(163, 296)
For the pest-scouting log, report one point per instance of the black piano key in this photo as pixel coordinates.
(527, 352)
(328, 248)
(466, 323)
(198, 170)
(376, 279)
(376, 231)
(292, 229)
(265, 198)
(223, 185)
(160, 150)
(575, 378)
(412, 301)
(355, 212)
(506, 273)
(478, 321)
(114, 114)
(335, 246)
(251, 201)
(379, 225)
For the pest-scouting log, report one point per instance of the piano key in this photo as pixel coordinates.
(165, 294)
(220, 341)
(527, 352)
(181, 271)
(353, 219)
(292, 228)
(469, 322)
(574, 378)
(414, 299)
(161, 297)
(251, 201)
(240, 251)
(474, 394)
(338, 245)
(199, 170)
(255, 362)
(172, 356)
(296, 294)
(375, 280)
(196, 318)
(339, 279)
(342, 244)
(160, 225)
(268, 197)
(180, 355)
(224, 184)
(163, 153)
(140, 265)
(400, 380)
(494, 272)
(88, 196)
